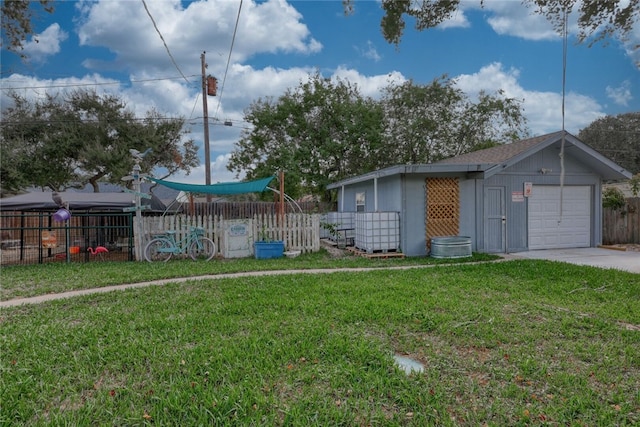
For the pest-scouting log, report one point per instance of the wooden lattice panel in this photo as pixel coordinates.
(443, 208)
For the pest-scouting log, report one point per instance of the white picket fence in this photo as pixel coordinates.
(300, 232)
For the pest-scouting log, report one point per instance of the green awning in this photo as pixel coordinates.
(222, 188)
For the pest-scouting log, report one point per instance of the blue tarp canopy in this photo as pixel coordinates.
(222, 188)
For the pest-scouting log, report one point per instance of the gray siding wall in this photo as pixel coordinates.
(412, 216)
(389, 195)
(528, 170)
(468, 213)
(406, 194)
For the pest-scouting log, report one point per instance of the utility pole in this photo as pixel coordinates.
(205, 114)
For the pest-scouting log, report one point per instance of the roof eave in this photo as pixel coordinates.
(427, 169)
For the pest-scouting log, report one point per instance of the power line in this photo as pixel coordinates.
(191, 121)
(163, 42)
(47, 121)
(93, 84)
(565, 36)
(233, 39)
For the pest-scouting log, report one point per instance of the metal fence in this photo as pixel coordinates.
(34, 238)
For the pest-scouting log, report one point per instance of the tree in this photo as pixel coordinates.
(325, 131)
(617, 138)
(597, 19)
(16, 21)
(320, 132)
(84, 137)
(429, 123)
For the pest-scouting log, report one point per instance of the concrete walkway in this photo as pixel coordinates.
(597, 257)
(52, 297)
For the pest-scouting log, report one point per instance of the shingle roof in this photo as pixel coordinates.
(493, 160)
(501, 153)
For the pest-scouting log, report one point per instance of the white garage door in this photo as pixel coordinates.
(550, 230)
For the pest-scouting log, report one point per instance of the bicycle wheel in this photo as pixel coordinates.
(202, 248)
(158, 249)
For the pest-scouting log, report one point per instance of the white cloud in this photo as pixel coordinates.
(458, 20)
(368, 85)
(514, 19)
(33, 88)
(542, 109)
(45, 44)
(125, 28)
(621, 95)
(370, 52)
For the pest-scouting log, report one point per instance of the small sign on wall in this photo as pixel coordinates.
(528, 188)
(517, 196)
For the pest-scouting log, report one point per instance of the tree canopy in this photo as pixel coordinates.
(428, 123)
(324, 131)
(316, 133)
(16, 21)
(59, 142)
(617, 138)
(597, 19)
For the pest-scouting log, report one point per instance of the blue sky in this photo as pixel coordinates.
(502, 46)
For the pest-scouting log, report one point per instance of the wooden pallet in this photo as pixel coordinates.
(376, 254)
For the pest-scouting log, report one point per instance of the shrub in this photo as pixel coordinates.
(613, 198)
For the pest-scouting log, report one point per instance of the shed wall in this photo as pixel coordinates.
(405, 193)
(512, 179)
(412, 216)
(389, 195)
(468, 202)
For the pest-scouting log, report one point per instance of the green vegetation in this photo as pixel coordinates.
(326, 130)
(507, 343)
(31, 280)
(613, 198)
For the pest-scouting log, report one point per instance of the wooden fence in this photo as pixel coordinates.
(241, 210)
(299, 232)
(622, 225)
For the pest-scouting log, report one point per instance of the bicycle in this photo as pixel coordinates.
(163, 246)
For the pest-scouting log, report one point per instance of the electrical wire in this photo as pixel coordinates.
(93, 84)
(163, 42)
(4, 123)
(194, 106)
(564, 84)
(192, 121)
(233, 39)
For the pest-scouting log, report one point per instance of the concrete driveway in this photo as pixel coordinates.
(596, 257)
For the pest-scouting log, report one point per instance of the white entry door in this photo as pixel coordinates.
(553, 228)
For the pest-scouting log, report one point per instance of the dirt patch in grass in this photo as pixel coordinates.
(333, 250)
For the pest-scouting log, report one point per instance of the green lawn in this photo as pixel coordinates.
(509, 343)
(31, 280)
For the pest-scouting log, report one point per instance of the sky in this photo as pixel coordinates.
(149, 53)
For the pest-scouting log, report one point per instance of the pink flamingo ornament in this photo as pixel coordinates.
(100, 250)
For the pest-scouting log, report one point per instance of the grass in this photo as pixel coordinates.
(510, 343)
(30, 280)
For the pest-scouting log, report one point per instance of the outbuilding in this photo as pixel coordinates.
(538, 193)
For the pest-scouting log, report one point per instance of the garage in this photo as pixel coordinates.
(506, 198)
(551, 228)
